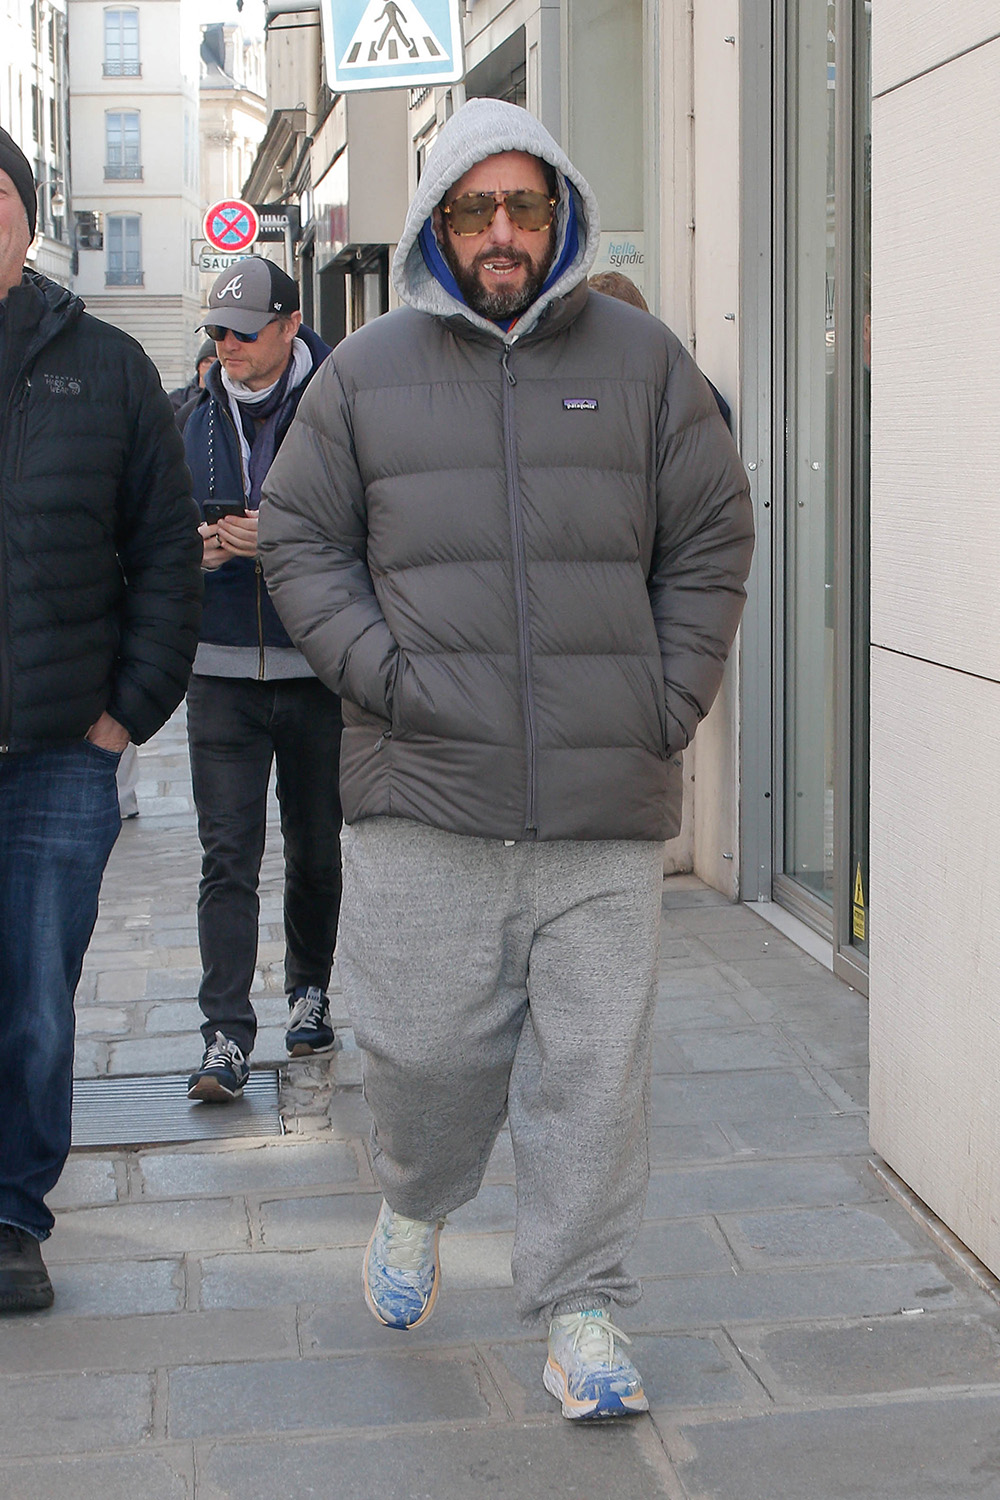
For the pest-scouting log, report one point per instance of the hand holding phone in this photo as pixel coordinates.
(216, 509)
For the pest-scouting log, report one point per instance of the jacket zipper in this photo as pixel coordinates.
(520, 588)
(19, 406)
(258, 570)
(22, 407)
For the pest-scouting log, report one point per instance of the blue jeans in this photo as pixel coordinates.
(58, 823)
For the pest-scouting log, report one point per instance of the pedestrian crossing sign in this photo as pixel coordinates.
(391, 44)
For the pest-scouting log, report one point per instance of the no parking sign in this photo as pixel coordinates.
(231, 226)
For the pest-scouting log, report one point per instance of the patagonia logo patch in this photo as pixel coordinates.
(579, 403)
(63, 385)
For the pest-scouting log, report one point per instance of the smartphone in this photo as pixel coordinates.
(216, 509)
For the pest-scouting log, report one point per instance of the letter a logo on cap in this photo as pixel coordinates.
(234, 288)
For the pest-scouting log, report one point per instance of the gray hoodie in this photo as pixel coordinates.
(518, 555)
(486, 127)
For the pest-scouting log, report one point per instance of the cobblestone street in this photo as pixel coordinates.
(801, 1336)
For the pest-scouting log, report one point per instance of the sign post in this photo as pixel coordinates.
(392, 44)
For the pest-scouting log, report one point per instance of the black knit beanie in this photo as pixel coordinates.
(14, 162)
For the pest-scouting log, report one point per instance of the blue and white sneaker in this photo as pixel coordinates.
(223, 1072)
(309, 1028)
(586, 1372)
(401, 1271)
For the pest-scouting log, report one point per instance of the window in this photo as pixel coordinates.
(124, 250)
(121, 44)
(121, 135)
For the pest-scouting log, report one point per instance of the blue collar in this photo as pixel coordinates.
(442, 272)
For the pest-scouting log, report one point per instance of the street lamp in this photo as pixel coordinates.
(57, 198)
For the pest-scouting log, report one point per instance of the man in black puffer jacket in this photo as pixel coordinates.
(100, 596)
(253, 698)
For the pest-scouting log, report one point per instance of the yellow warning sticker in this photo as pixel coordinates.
(859, 924)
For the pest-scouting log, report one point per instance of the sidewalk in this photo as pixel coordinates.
(801, 1338)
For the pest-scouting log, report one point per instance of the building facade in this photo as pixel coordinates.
(134, 96)
(935, 1022)
(34, 109)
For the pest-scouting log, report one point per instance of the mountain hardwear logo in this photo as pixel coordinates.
(233, 288)
(62, 385)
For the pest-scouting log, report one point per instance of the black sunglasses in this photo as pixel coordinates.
(217, 334)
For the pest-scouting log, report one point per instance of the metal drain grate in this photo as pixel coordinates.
(157, 1111)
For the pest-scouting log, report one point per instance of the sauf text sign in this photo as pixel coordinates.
(384, 44)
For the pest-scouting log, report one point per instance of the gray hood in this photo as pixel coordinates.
(481, 128)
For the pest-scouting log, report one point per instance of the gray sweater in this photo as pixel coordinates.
(517, 556)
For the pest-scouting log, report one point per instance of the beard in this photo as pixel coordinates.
(504, 302)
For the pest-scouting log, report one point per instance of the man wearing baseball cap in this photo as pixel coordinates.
(253, 699)
(99, 605)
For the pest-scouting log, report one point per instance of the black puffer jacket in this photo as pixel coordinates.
(100, 580)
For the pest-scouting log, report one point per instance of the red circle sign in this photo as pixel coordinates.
(231, 225)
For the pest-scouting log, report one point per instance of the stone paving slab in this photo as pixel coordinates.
(835, 1135)
(816, 1236)
(814, 1295)
(687, 1248)
(928, 1351)
(123, 1288)
(320, 1395)
(275, 1278)
(86, 1181)
(285, 1164)
(326, 1218)
(781, 1093)
(731, 1049)
(135, 1229)
(520, 1461)
(731, 1186)
(121, 1343)
(42, 1414)
(145, 1476)
(923, 1450)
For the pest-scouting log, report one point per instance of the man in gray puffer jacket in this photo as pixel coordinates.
(510, 529)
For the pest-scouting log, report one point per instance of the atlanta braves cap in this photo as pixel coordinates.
(249, 295)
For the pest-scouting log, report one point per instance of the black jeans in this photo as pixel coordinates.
(236, 726)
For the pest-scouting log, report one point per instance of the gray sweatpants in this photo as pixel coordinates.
(487, 981)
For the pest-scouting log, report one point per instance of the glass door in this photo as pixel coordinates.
(809, 502)
(806, 389)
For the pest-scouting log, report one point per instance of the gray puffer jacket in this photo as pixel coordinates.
(518, 555)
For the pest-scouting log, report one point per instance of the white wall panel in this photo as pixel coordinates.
(935, 941)
(936, 367)
(909, 36)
